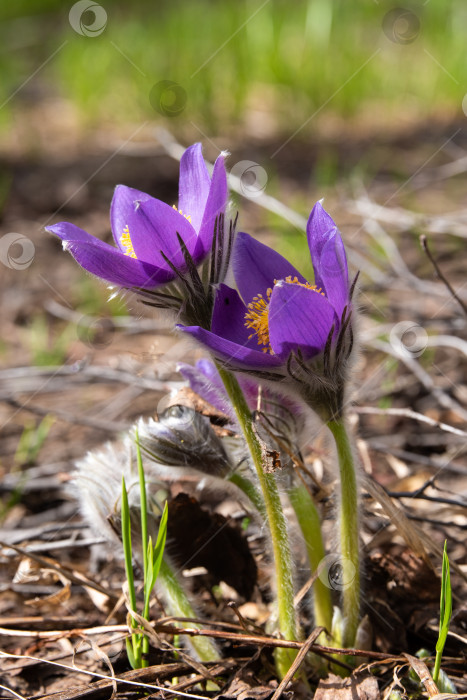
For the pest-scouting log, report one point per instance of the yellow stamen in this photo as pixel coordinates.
(257, 316)
(307, 285)
(125, 240)
(187, 216)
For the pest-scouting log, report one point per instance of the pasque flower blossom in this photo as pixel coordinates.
(277, 320)
(155, 242)
(276, 311)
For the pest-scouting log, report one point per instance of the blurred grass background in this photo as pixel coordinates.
(279, 60)
(312, 79)
(356, 97)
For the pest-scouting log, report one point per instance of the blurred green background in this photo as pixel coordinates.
(327, 98)
(264, 66)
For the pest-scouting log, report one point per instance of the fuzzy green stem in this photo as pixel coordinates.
(348, 516)
(309, 522)
(275, 520)
(180, 606)
(250, 491)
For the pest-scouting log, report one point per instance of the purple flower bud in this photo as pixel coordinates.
(184, 438)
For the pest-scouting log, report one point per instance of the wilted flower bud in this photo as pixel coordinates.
(184, 438)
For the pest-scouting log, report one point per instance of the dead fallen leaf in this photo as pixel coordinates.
(353, 688)
(241, 690)
(421, 669)
(51, 601)
(197, 537)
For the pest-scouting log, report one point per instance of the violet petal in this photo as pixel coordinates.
(328, 257)
(107, 262)
(152, 227)
(208, 386)
(320, 227)
(331, 268)
(194, 185)
(228, 317)
(215, 204)
(70, 232)
(299, 318)
(256, 266)
(122, 209)
(231, 352)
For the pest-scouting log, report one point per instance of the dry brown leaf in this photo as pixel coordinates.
(336, 688)
(52, 600)
(398, 518)
(421, 669)
(242, 690)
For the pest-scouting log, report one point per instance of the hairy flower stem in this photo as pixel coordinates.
(348, 517)
(180, 606)
(250, 491)
(309, 522)
(275, 520)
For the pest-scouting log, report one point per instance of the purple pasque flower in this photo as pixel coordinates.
(276, 311)
(278, 324)
(156, 243)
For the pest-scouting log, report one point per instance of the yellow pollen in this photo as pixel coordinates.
(257, 316)
(307, 285)
(125, 240)
(187, 216)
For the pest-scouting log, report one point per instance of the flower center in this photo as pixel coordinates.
(257, 316)
(187, 216)
(125, 240)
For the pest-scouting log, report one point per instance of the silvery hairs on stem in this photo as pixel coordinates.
(181, 444)
(97, 484)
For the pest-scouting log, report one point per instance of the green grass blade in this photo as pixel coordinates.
(133, 645)
(157, 552)
(143, 504)
(445, 605)
(129, 652)
(127, 549)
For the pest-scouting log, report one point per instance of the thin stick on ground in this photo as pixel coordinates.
(444, 280)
